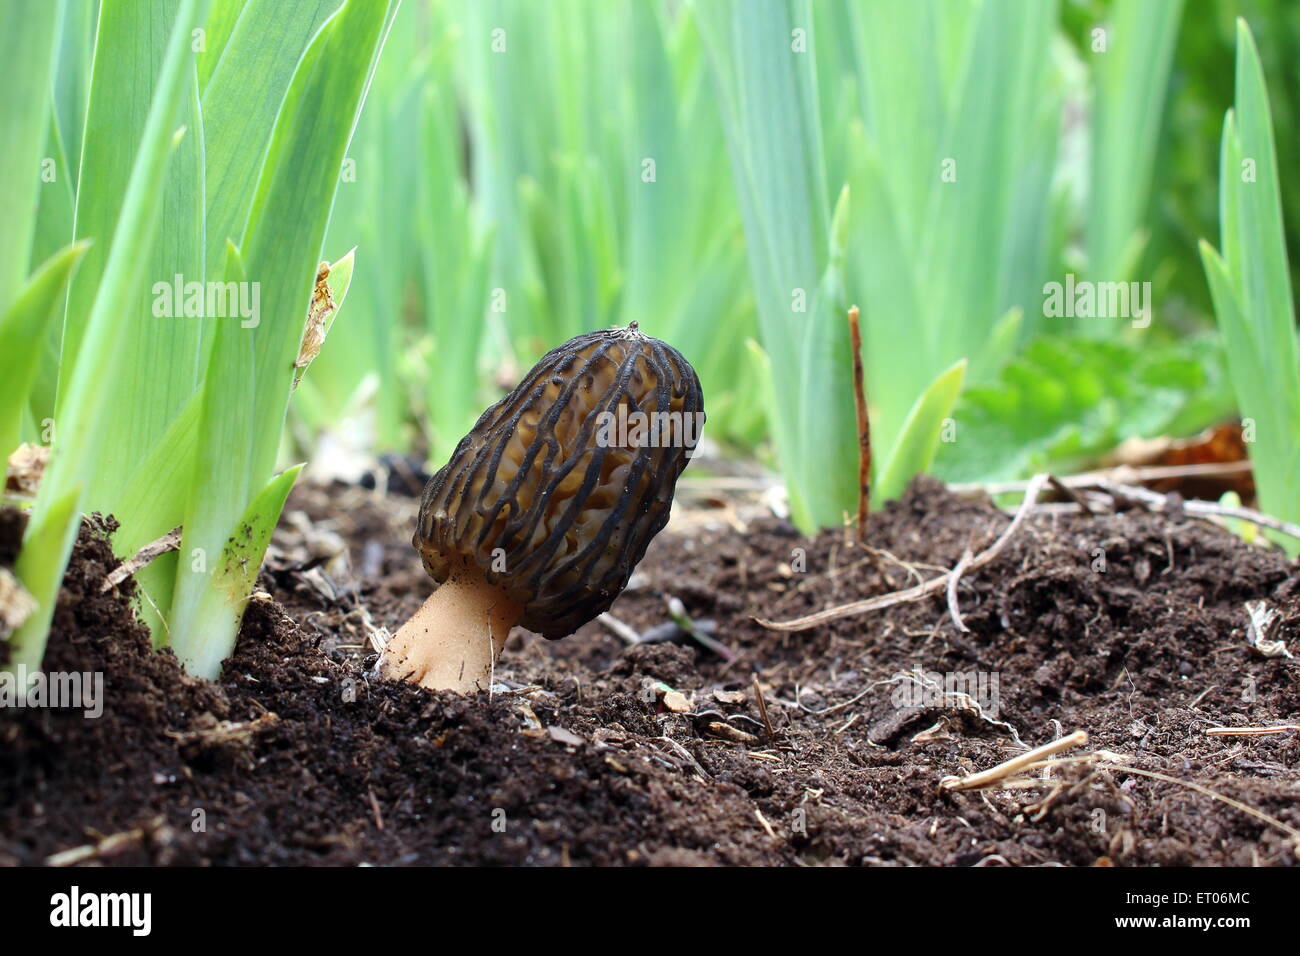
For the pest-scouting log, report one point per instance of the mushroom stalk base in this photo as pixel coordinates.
(455, 638)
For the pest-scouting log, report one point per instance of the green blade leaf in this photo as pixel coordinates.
(160, 334)
(222, 18)
(250, 373)
(27, 46)
(154, 497)
(52, 530)
(1129, 78)
(242, 99)
(26, 322)
(796, 251)
(827, 417)
(920, 435)
(1250, 285)
(78, 443)
(222, 605)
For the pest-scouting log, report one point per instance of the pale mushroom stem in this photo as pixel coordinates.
(455, 638)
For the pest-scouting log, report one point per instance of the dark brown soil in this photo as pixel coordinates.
(297, 756)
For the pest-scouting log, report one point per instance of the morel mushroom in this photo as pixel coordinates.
(548, 503)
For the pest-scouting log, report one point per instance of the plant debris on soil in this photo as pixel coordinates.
(820, 747)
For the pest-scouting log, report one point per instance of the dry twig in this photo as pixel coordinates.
(1235, 804)
(171, 541)
(1249, 731)
(864, 426)
(622, 631)
(1117, 483)
(1001, 777)
(762, 709)
(106, 846)
(931, 586)
(954, 610)
(986, 778)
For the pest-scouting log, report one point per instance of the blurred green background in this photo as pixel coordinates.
(526, 171)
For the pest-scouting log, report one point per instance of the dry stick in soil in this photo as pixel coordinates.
(620, 630)
(954, 610)
(864, 426)
(1124, 473)
(1191, 506)
(762, 708)
(1249, 731)
(1001, 777)
(1229, 801)
(548, 504)
(932, 586)
(171, 541)
(1153, 500)
(986, 778)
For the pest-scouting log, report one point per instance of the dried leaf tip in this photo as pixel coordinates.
(322, 307)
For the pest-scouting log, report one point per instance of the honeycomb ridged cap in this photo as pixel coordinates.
(559, 487)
